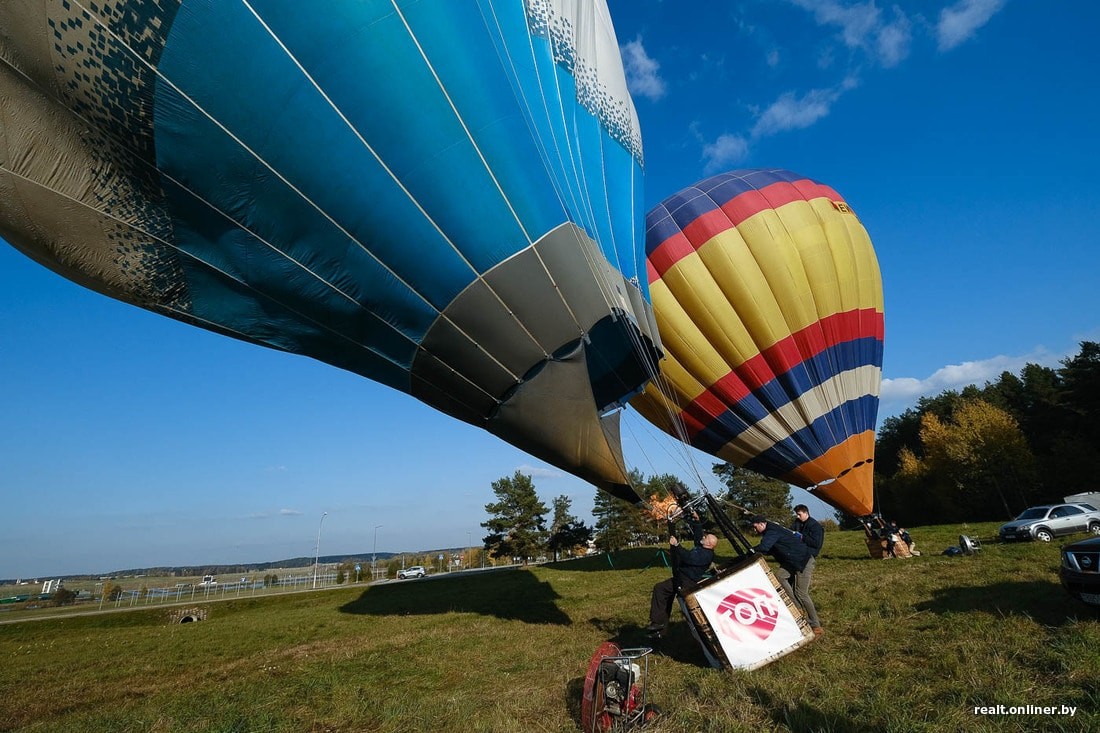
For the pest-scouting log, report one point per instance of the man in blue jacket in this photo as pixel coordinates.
(793, 556)
(688, 567)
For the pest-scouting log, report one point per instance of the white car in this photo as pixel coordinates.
(1044, 523)
(416, 571)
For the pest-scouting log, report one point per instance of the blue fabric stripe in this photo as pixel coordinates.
(787, 387)
(814, 440)
(844, 420)
(684, 207)
(659, 226)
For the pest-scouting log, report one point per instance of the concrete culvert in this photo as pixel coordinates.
(187, 615)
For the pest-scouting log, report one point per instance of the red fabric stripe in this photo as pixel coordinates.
(778, 359)
(811, 190)
(667, 254)
(730, 214)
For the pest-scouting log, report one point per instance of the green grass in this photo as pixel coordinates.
(910, 645)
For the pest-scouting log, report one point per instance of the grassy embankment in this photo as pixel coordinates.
(910, 645)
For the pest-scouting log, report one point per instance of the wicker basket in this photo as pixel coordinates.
(757, 655)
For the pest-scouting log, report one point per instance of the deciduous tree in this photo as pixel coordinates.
(981, 453)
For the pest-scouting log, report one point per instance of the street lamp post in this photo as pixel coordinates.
(317, 548)
(374, 553)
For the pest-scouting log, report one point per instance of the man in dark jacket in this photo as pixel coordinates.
(813, 536)
(688, 567)
(793, 556)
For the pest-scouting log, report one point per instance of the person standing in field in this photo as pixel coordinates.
(793, 555)
(812, 535)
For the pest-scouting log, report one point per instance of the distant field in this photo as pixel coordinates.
(150, 590)
(910, 645)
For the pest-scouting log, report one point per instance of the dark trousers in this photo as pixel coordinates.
(660, 602)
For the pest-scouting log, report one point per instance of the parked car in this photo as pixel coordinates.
(1044, 523)
(1080, 570)
(416, 571)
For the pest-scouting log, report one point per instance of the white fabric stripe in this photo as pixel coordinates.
(809, 406)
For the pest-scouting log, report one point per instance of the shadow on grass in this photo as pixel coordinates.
(677, 644)
(513, 595)
(574, 698)
(802, 716)
(1042, 601)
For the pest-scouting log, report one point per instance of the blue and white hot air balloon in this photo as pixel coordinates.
(440, 195)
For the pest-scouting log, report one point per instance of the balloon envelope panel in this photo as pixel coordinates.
(441, 196)
(769, 303)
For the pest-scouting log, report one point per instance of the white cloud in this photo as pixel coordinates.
(642, 72)
(861, 26)
(892, 41)
(903, 392)
(960, 21)
(289, 513)
(794, 113)
(772, 59)
(724, 152)
(539, 471)
(789, 112)
(857, 22)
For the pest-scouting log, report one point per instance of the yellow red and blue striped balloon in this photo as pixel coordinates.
(768, 299)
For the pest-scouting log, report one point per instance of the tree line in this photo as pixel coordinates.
(987, 453)
(518, 528)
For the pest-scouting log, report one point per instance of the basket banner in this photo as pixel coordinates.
(749, 617)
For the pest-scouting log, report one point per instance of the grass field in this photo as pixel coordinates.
(910, 645)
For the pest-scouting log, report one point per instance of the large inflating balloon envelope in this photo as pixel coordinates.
(769, 302)
(441, 196)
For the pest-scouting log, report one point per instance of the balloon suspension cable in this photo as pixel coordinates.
(718, 516)
(741, 544)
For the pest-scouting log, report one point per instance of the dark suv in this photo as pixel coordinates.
(1080, 571)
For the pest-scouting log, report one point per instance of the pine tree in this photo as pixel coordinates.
(756, 493)
(566, 531)
(517, 522)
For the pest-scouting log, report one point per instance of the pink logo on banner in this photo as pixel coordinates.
(748, 612)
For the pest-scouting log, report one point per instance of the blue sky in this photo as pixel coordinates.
(964, 134)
